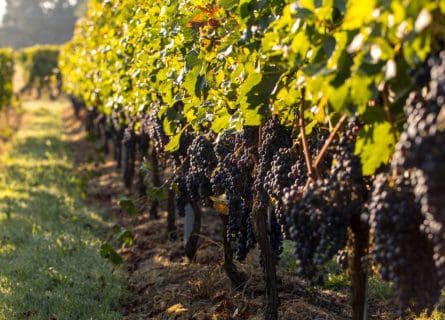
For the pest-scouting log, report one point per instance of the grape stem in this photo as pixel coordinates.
(307, 155)
(388, 113)
(389, 118)
(328, 142)
(326, 145)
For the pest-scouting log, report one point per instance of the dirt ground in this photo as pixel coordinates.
(164, 285)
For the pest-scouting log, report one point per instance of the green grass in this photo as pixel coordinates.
(50, 266)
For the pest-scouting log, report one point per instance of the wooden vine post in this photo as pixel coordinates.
(191, 247)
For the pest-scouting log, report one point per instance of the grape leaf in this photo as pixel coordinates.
(375, 146)
(128, 206)
(173, 145)
(107, 252)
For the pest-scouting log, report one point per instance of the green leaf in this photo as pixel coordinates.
(361, 92)
(251, 81)
(201, 86)
(338, 97)
(125, 237)
(192, 59)
(245, 9)
(252, 117)
(329, 43)
(128, 206)
(375, 146)
(345, 63)
(191, 79)
(107, 252)
(156, 194)
(259, 89)
(173, 145)
(221, 122)
(228, 4)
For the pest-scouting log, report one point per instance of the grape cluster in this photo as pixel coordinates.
(102, 132)
(143, 146)
(421, 151)
(234, 178)
(202, 162)
(273, 137)
(319, 218)
(78, 104)
(181, 193)
(99, 125)
(403, 253)
(117, 132)
(152, 126)
(129, 144)
(108, 136)
(90, 117)
(143, 139)
(181, 167)
(286, 169)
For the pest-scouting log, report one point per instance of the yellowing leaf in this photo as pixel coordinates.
(308, 4)
(321, 112)
(358, 13)
(301, 44)
(220, 205)
(176, 309)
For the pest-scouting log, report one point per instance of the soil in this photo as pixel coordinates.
(164, 285)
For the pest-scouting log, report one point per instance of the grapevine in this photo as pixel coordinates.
(285, 112)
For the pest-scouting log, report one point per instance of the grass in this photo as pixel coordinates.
(50, 266)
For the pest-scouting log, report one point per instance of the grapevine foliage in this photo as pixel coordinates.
(6, 75)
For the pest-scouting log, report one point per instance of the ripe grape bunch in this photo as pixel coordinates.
(402, 252)
(421, 150)
(129, 143)
(181, 167)
(117, 132)
(234, 178)
(153, 128)
(287, 167)
(202, 162)
(274, 136)
(319, 218)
